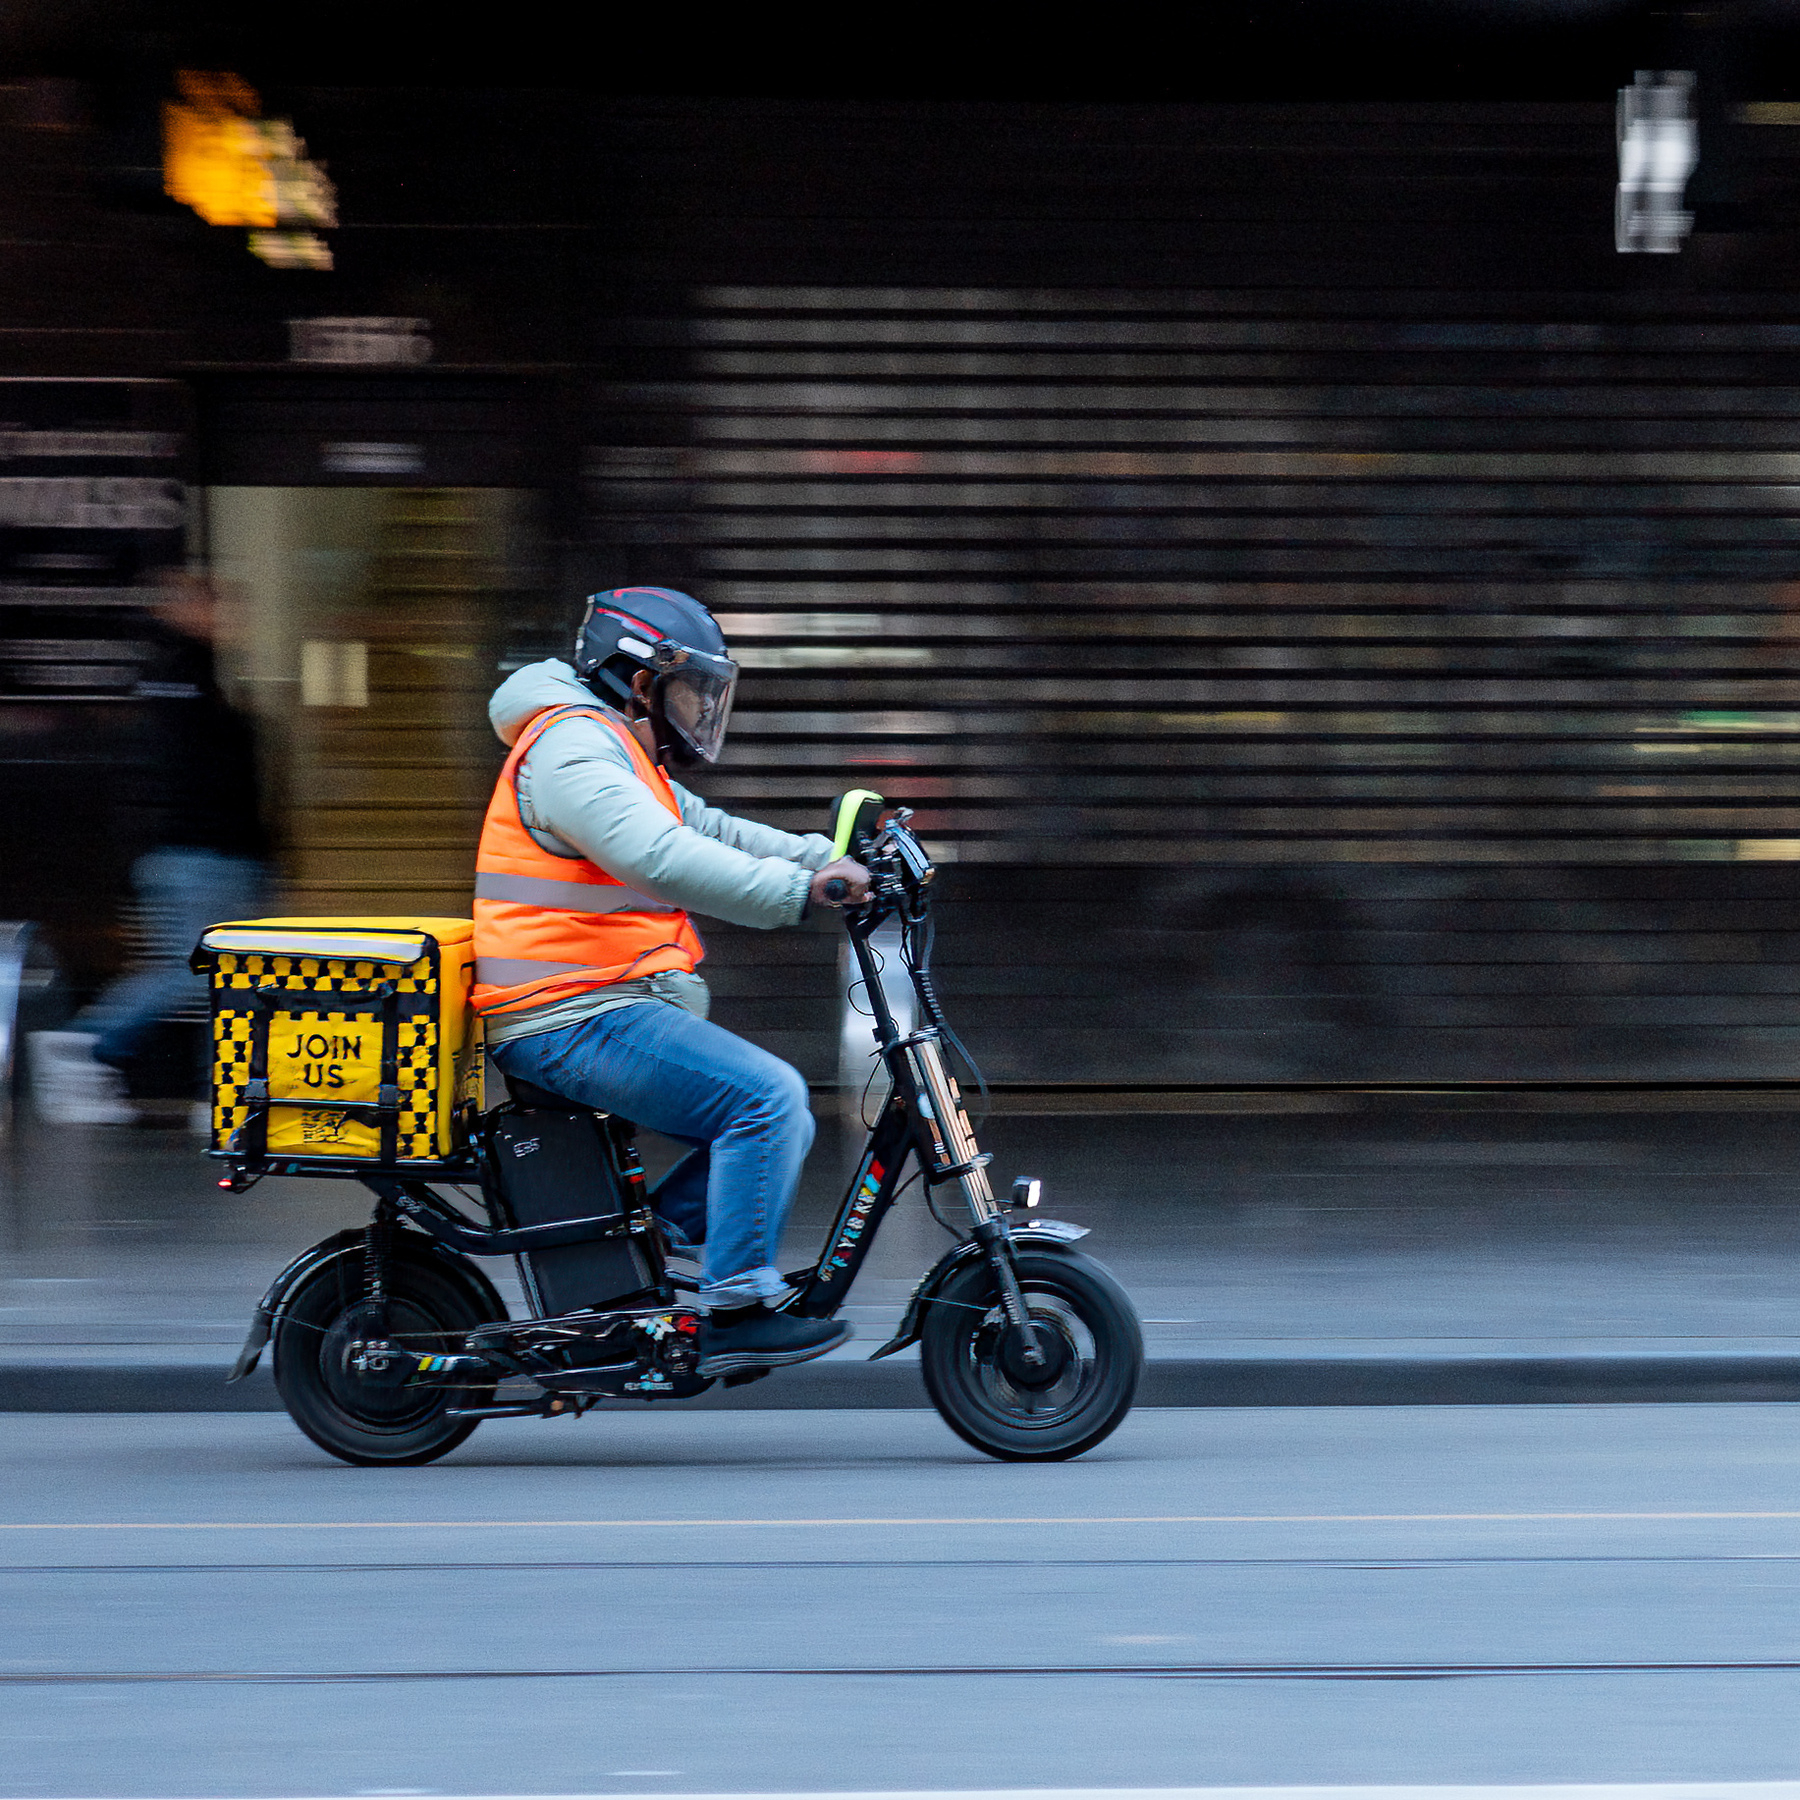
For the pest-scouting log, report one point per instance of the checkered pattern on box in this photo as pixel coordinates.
(230, 1072)
(317, 975)
(416, 1065)
(417, 1074)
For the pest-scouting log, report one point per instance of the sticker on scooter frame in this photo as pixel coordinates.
(867, 1192)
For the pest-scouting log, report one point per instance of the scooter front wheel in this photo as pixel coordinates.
(991, 1396)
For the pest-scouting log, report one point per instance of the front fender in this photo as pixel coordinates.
(341, 1246)
(1035, 1233)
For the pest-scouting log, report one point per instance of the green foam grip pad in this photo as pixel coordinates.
(848, 809)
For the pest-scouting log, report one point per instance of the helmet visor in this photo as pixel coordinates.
(696, 701)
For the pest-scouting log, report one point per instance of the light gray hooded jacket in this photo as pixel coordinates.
(579, 796)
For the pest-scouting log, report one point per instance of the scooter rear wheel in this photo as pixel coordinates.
(987, 1393)
(358, 1420)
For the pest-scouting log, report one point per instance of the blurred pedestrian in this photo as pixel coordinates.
(196, 794)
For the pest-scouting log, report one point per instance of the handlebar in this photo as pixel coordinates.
(877, 835)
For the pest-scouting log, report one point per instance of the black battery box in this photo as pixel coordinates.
(556, 1163)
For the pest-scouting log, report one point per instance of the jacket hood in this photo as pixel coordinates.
(528, 691)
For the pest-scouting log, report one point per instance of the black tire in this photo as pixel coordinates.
(431, 1306)
(1084, 1316)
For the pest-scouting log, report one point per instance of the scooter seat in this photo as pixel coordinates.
(528, 1093)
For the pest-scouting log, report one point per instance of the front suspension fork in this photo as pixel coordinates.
(996, 1244)
(955, 1154)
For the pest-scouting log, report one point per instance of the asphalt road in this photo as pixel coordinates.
(665, 1603)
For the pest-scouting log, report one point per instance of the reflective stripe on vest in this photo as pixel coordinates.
(566, 896)
(509, 971)
(548, 926)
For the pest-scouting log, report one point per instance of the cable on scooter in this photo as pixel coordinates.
(916, 940)
(862, 1106)
(867, 1012)
(932, 1208)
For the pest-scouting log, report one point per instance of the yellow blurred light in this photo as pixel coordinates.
(215, 164)
(236, 168)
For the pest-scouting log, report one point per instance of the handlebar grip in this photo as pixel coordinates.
(836, 889)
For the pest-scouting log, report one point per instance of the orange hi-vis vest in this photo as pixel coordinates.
(547, 927)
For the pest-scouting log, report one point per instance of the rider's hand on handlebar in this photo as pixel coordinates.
(852, 876)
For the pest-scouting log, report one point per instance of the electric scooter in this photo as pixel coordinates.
(391, 1345)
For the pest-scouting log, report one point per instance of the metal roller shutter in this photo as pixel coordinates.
(1302, 682)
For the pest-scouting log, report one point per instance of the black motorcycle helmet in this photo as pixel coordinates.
(678, 643)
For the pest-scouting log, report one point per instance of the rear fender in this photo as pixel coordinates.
(348, 1246)
(1034, 1234)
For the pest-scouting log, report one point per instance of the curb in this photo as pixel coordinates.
(1168, 1381)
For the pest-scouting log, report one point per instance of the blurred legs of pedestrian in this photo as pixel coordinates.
(75, 1076)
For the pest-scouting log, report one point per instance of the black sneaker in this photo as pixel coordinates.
(756, 1338)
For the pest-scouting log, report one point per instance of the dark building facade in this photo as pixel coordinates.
(1332, 613)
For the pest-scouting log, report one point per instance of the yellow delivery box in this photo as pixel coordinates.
(343, 1038)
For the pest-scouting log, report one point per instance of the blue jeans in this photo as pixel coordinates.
(744, 1111)
(181, 891)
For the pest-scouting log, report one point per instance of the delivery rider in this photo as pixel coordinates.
(591, 859)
